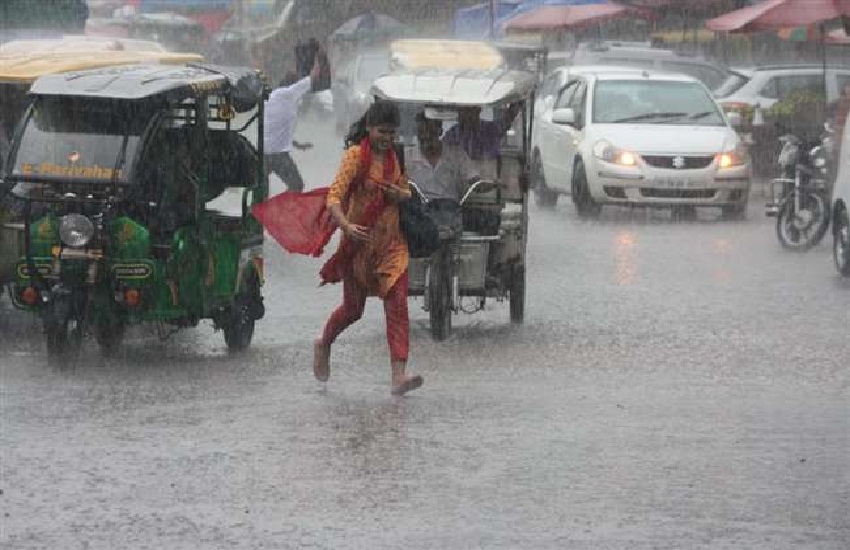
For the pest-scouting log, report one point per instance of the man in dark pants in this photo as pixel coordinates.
(279, 128)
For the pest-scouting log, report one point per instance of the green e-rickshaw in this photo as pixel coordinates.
(136, 184)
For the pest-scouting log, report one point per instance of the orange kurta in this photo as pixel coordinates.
(379, 263)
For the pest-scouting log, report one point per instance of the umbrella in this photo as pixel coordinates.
(555, 17)
(527, 6)
(775, 14)
(367, 26)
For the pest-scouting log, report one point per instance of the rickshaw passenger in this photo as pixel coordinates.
(481, 139)
(440, 170)
(444, 171)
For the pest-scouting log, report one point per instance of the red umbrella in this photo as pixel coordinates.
(550, 18)
(775, 14)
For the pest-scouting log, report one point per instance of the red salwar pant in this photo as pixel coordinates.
(354, 302)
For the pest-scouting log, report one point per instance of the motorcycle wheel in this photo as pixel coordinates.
(440, 298)
(800, 231)
(841, 244)
(64, 334)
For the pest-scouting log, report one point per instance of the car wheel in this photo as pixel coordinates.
(543, 196)
(586, 206)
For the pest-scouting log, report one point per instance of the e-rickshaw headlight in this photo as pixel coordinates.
(75, 230)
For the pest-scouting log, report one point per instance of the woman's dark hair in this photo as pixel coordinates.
(382, 112)
(379, 113)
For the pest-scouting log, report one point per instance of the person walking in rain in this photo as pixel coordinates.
(372, 257)
(281, 115)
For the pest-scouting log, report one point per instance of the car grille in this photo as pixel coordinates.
(678, 193)
(666, 161)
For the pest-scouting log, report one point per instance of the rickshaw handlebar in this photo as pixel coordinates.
(472, 189)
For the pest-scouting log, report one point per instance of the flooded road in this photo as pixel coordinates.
(675, 385)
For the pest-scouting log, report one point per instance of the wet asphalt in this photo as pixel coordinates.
(675, 386)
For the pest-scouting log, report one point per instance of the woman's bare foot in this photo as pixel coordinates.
(321, 360)
(406, 383)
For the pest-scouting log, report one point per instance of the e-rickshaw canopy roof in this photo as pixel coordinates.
(245, 85)
(79, 43)
(24, 68)
(462, 87)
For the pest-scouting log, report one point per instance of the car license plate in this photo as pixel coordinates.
(675, 183)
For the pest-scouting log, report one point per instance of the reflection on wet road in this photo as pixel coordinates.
(676, 385)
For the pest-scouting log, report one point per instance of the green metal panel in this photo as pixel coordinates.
(44, 233)
(128, 239)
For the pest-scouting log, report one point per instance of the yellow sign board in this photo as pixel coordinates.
(50, 169)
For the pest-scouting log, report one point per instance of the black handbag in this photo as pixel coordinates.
(420, 231)
(423, 237)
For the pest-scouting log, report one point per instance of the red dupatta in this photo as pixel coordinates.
(302, 222)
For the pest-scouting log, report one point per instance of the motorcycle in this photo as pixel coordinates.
(801, 195)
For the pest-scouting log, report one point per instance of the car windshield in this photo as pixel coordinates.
(654, 102)
(733, 83)
(80, 139)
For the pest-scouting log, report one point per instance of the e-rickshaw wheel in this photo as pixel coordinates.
(239, 327)
(517, 294)
(63, 332)
(440, 297)
(109, 337)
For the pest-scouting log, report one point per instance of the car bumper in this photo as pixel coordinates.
(710, 186)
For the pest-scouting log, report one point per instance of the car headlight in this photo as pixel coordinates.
(75, 230)
(729, 159)
(607, 152)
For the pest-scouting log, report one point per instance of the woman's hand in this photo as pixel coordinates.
(355, 232)
(395, 193)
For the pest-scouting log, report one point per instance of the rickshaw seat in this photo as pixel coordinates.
(233, 163)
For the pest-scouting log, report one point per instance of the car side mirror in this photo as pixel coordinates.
(735, 119)
(564, 116)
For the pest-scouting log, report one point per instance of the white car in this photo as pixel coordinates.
(769, 84)
(841, 207)
(636, 137)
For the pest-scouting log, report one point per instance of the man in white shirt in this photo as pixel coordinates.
(440, 171)
(281, 115)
